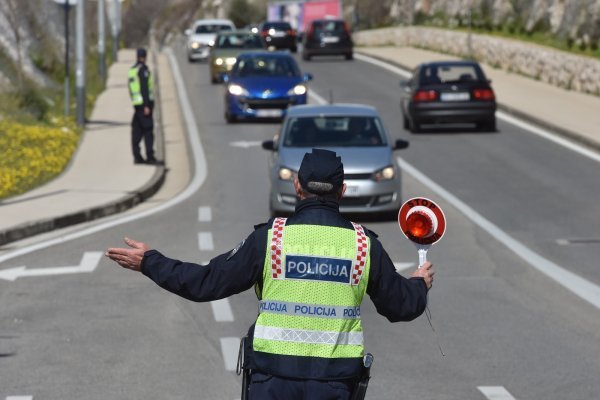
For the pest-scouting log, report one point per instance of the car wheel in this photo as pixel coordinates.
(349, 56)
(489, 125)
(414, 126)
(405, 122)
(230, 118)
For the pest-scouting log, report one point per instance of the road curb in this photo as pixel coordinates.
(128, 201)
(510, 110)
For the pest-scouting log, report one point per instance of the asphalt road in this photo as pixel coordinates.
(505, 327)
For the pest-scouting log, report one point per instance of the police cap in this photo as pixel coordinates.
(141, 52)
(321, 172)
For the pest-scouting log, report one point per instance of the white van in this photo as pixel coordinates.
(201, 36)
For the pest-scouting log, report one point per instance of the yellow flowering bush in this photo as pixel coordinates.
(33, 154)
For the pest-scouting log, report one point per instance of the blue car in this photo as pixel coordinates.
(264, 84)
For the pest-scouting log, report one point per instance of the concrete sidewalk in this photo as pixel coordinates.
(101, 179)
(571, 114)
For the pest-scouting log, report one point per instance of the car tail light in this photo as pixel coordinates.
(311, 31)
(425, 95)
(346, 29)
(291, 32)
(264, 33)
(483, 94)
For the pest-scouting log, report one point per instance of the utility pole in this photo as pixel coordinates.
(80, 62)
(101, 42)
(67, 7)
(116, 27)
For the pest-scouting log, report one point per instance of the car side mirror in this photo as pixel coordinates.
(400, 144)
(187, 32)
(308, 77)
(268, 145)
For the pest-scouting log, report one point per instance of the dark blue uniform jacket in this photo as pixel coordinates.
(395, 297)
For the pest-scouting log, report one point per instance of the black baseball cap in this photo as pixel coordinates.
(321, 172)
(141, 52)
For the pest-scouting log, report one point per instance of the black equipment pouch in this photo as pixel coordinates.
(360, 390)
(240, 370)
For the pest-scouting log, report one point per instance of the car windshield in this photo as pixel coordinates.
(241, 41)
(342, 131)
(266, 66)
(212, 28)
(451, 73)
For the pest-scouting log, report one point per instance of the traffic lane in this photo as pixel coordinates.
(535, 190)
(460, 262)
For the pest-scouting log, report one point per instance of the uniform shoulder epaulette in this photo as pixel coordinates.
(370, 232)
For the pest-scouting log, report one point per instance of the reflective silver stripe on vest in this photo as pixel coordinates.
(305, 336)
(308, 310)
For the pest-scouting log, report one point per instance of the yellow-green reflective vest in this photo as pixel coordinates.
(314, 280)
(135, 88)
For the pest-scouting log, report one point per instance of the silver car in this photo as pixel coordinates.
(356, 133)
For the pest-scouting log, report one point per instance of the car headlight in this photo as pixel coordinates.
(230, 61)
(385, 174)
(195, 45)
(237, 90)
(211, 43)
(219, 61)
(286, 174)
(297, 90)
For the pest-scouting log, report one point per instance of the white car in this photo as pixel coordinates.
(202, 34)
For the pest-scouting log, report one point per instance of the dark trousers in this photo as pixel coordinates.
(142, 127)
(269, 387)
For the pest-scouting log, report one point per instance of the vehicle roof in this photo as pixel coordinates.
(266, 53)
(213, 21)
(348, 109)
(449, 62)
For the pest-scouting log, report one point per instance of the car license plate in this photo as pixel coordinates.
(351, 191)
(460, 96)
(278, 34)
(331, 39)
(268, 113)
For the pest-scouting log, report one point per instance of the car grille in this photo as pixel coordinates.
(268, 104)
(356, 201)
(357, 176)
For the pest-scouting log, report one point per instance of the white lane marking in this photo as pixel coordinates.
(550, 136)
(205, 241)
(403, 266)
(244, 144)
(502, 115)
(230, 347)
(88, 264)
(19, 398)
(581, 287)
(495, 393)
(222, 310)
(204, 214)
(199, 176)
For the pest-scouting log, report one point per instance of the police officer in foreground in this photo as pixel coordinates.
(141, 91)
(310, 273)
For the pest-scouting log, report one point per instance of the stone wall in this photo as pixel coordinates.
(562, 69)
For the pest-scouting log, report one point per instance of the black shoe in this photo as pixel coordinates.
(152, 161)
(139, 161)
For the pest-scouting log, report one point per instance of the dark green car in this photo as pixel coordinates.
(228, 45)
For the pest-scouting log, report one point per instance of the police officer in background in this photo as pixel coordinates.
(141, 91)
(310, 273)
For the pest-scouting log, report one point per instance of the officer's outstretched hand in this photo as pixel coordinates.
(129, 258)
(426, 272)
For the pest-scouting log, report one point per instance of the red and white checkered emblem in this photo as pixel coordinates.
(362, 249)
(276, 248)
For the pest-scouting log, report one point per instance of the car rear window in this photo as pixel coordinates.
(342, 131)
(280, 26)
(266, 66)
(451, 73)
(336, 27)
(212, 28)
(241, 41)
